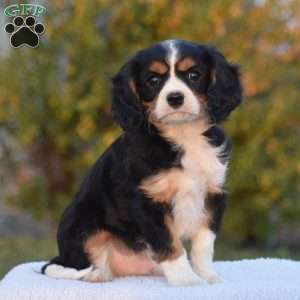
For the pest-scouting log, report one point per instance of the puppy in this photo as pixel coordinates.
(162, 181)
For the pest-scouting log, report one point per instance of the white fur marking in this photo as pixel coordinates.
(202, 172)
(172, 57)
(60, 272)
(180, 272)
(202, 255)
(191, 107)
(99, 272)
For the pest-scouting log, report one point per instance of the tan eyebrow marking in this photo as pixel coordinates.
(158, 67)
(185, 64)
(203, 98)
(149, 105)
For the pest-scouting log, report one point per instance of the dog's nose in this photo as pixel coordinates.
(175, 99)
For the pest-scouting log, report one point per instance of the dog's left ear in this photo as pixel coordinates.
(126, 108)
(225, 92)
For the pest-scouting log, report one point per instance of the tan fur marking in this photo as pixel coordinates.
(158, 67)
(176, 242)
(202, 98)
(96, 244)
(125, 262)
(185, 64)
(176, 247)
(97, 247)
(106, 250)
(132, 86)
(161, 187)
(149, 106)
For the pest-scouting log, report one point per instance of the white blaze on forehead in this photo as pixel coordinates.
(172, 57)
(190, 107)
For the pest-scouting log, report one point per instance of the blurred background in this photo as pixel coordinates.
(55, 114)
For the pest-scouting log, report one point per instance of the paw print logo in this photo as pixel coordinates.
(24, 32)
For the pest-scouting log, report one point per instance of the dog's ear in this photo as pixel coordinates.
(126, 109)
(225, 92)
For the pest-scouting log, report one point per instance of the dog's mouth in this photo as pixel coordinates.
(178, 117)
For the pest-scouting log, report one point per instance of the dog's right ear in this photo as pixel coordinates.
(126, 109)
(226, 91)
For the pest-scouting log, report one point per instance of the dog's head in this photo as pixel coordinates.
(175, 82)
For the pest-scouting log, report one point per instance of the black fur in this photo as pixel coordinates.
(128, 114)
(109, 198)
(127, 105)
(225, 92)
(215, 205)
(217, 137)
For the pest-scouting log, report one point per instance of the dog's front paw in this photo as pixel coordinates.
(179, 271)
(185, 279)
(210, 277)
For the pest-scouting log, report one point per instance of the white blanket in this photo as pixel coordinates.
(247, 279)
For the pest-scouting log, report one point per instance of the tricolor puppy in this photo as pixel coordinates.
(162, 181)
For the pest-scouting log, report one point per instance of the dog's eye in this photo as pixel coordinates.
(194, 76)
(153, 80)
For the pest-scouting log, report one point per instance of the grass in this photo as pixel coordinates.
(24, 249)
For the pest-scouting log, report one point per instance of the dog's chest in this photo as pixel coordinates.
(202, 173)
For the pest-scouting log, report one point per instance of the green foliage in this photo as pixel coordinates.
(55, 99)
(25, 249)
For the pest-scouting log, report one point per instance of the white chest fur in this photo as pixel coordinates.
(202, 173)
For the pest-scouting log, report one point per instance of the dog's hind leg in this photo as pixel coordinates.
(97, 273)
(101, 269)
(98, 249)
(97, 265)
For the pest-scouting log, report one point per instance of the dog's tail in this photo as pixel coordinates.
(56, 270)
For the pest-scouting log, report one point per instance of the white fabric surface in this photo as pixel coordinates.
(246, 279)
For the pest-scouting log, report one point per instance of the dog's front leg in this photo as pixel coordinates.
(203, 241)
(169, 254)
(174, 263)
(178, 271)
(202, 254)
